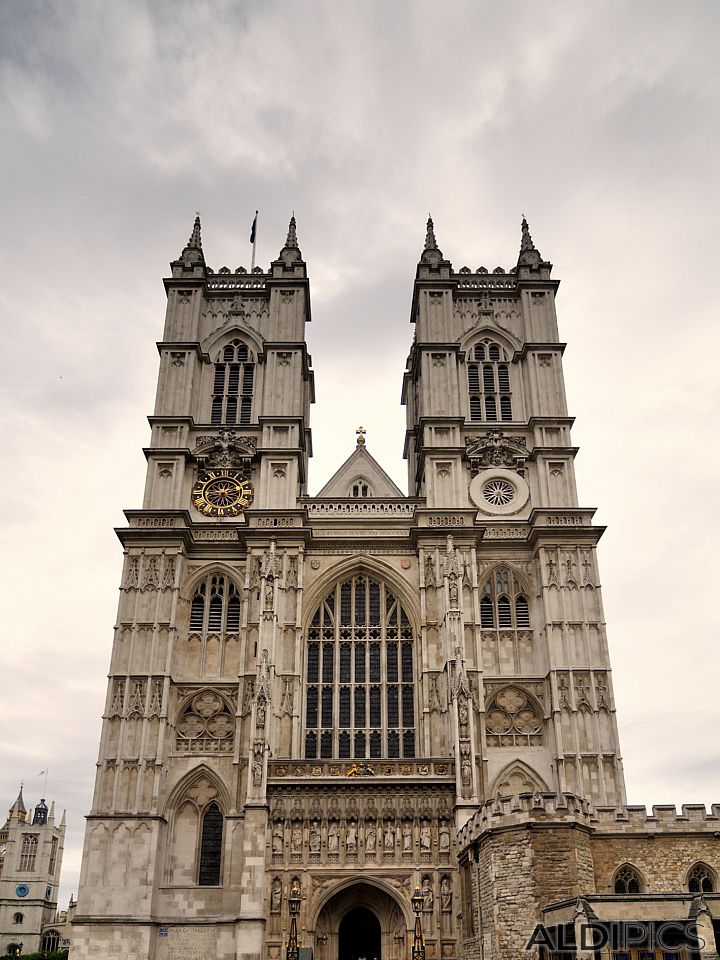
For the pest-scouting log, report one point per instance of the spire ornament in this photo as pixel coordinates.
(192, 255)
(291, 241)
(195, 241)
(432, 254)
(430, 241)
(526, 242)
(529, 254)
(290, 253)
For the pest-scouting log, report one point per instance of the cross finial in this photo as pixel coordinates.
(361, 431)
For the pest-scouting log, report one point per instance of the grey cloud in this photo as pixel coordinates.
(120, 120)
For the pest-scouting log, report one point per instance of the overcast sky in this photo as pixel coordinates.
(119, 120)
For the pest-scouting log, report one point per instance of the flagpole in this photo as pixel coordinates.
(254, 241)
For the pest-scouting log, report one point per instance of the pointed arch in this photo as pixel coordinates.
(628, 880)
(237, 330)
(701, 878)
(521, 777)
(352, 566)
(360, 690)
(378, 883)
(505, 598)
(183, 788)
(489, 331)
(513, 715)
(216, 568)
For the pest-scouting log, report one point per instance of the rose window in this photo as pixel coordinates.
(498, 493)
(513, 718)
(205, 726)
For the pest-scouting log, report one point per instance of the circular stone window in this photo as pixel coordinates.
(498, 492)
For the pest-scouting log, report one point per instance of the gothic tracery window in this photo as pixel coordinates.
(28, 851)
(215, 607)
(50, 941)
(513, 718)
(503, 602)
(489, 383)
(701, 879)
(206, 725)
(627, 880)
(233, 385)
(360, 699)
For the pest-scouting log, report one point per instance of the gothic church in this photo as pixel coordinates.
(360, 694)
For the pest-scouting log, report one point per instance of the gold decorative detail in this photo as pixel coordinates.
(281, 771)
(360, 770)
(361, 431)
(222, 493)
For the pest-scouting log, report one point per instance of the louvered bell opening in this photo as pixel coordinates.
(522, 613)
(504, 614)
(196, 613)
(487, 619)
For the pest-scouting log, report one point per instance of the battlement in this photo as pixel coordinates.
(525, 808)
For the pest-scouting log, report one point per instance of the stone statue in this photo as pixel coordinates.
(351, 837)
(444, 837)
(370, 838)
(389, 838)
(276, 896)
(297, 839)
(425, 837)
(445, 895)
(427, 895)
(407, 837)
(278, 838)
(314, 838)
(333, 837)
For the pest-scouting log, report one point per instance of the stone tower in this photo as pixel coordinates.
(31, 849)
(317, 693)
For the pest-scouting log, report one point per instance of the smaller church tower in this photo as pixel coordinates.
(31, 849)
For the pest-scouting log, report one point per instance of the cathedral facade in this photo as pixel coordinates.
(361, 696)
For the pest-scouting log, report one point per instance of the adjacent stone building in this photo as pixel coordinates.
(364, 692)
(31, 850)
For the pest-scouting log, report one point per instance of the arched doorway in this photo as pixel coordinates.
(363, 919)
(359, 936)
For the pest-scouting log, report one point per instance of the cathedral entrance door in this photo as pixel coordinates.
(359, 935)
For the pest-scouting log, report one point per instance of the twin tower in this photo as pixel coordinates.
(313, 695)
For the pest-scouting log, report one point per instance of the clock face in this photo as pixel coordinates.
(222, 493)
(22, 889)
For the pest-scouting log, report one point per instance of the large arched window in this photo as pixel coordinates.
(360, 699)
(233, 385)
(489, 383)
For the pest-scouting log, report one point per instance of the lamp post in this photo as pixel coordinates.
(293, 951)
(418, 948)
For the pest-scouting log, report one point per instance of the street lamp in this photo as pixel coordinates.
(418, 948)
(293, 951)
